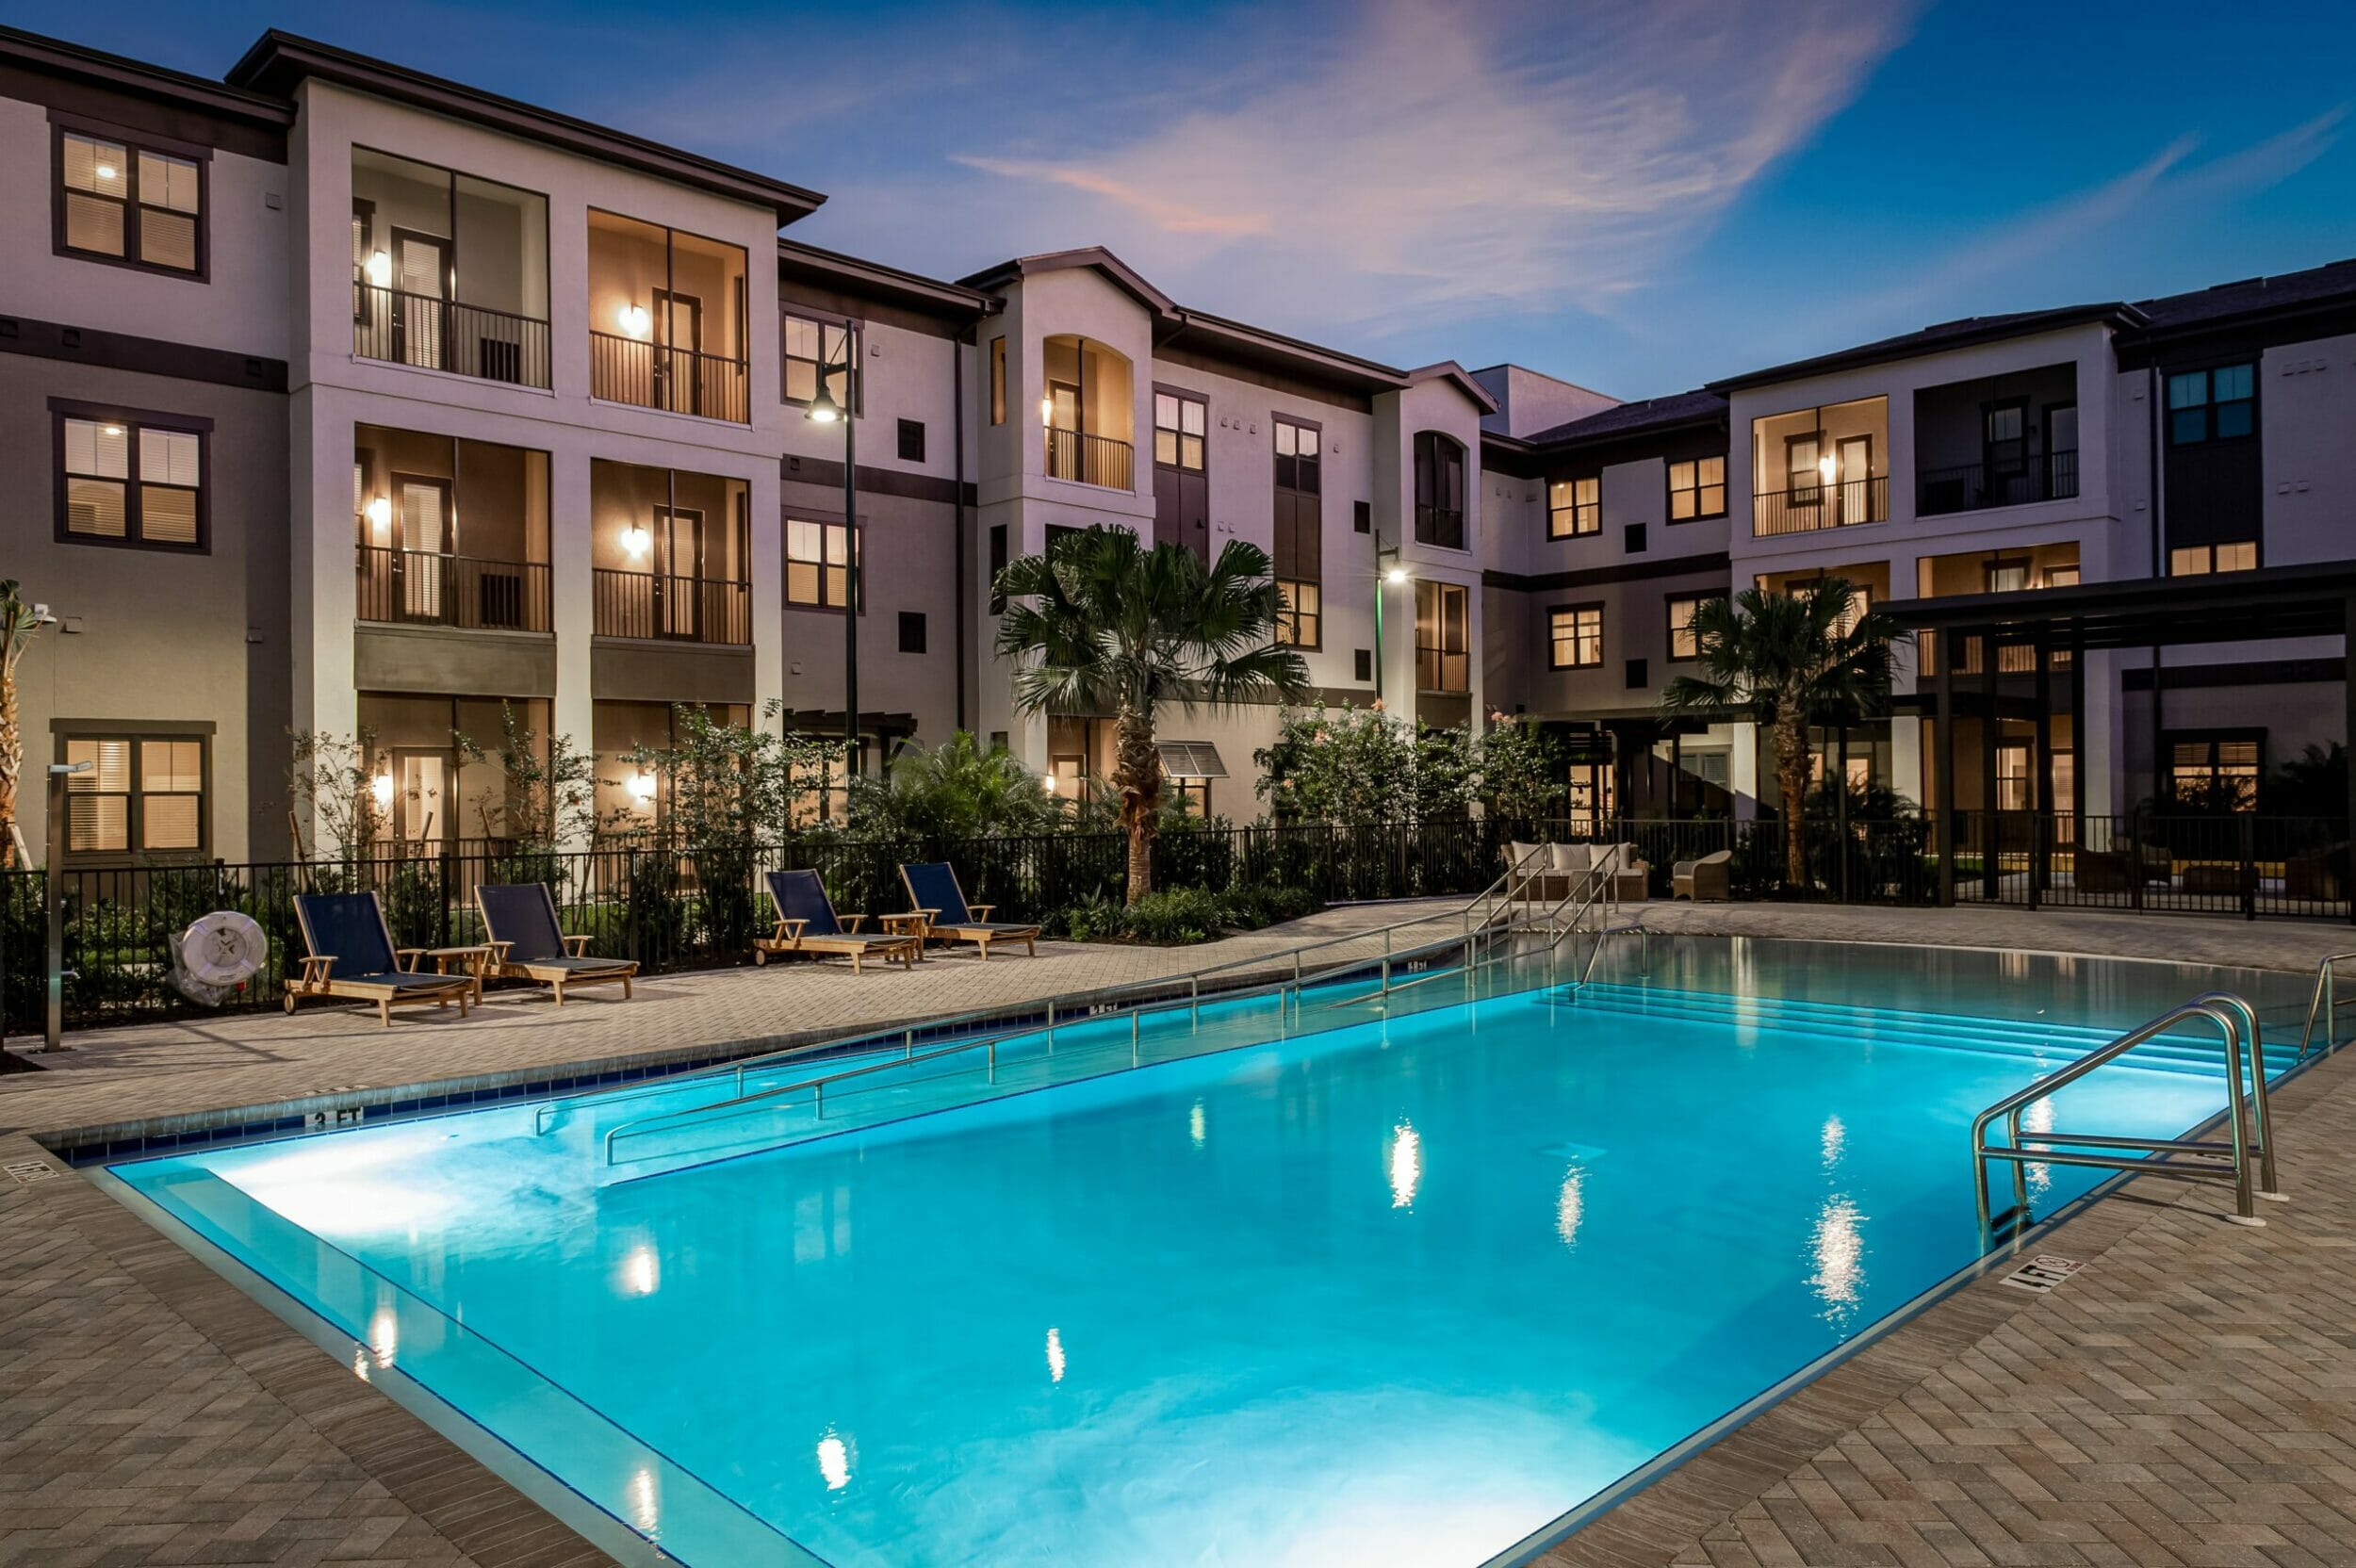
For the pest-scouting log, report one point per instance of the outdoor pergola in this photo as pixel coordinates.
(2270, 605)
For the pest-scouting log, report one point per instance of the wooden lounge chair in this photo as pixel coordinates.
(933, 890)
(519, 922)
(806, 923)
(353, 956)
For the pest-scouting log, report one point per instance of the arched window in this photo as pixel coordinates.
(1439, 490)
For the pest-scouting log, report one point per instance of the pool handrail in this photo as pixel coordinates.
(990, 1041)
(2326, 997)
(1486, 903)
(2224, 1009)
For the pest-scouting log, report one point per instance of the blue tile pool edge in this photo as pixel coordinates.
(1999, 1259)
(543, 1488)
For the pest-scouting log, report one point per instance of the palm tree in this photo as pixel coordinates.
(1104, 625)
(18, 622)
(1789, 661)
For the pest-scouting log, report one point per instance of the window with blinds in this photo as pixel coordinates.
(136, 205)
(817, 564)
(139, 795)
(130, 480)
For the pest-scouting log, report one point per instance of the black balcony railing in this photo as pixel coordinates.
(1839, 505)
(1089, 459)
(1975, 486)
(443, 335)
(682, 609)
(424, 588)
(679, 381)
(1441, 670)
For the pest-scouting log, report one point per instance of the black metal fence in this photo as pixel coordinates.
(675, 908)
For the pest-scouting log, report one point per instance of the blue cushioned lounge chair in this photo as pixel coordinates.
(519, 920)
(933, 890)
(806, 923)
(351, 956)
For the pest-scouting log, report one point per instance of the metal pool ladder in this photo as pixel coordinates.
(2326, 1003)
(2250, 1125)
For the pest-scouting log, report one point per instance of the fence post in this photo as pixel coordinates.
(2135, 859)
(2249, 879)
(629, 902)
(442, 926)
(2038, 822)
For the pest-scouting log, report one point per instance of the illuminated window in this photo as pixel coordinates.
(1574, 636)
(130, 480)
(2218, 770)
(1684, 642)
(141, 795)
(130, 203)
(1443, 631)
(817, 564)
(997, 381)
(2202, 559)
(1301, 621)
(1178, 426)
(1697, 488)
(1299, 532)
(1574, 507)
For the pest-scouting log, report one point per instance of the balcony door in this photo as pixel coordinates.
(420, 302)
(423, 527)
(678, 564)
(2061, 450)
(681, 322)
(1181, 496)
(1857, 479)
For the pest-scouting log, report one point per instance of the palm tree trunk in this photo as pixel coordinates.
(1137, 769)
(1791, 776)
(11, 766)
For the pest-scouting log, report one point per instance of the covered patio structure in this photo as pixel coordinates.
(1999, 657)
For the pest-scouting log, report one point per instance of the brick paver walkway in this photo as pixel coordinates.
(2189, 1397)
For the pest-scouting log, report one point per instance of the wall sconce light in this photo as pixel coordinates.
(382, 787)
(1047, 411)
(636, 322)
(379, 270)
(380, 515)
(1828, 467)
(1047, 782)
(642, 788)
(635, 540)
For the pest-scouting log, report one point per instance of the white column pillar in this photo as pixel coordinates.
(1905, 756)
(767, 601)
(326, 588)
(1742, 772)
(2101, 751)
(571, 604)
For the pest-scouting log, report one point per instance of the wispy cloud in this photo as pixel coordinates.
(1455, 158)
(2175, 183)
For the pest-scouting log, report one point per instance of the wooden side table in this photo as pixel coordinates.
(912, 922)
(471, 962)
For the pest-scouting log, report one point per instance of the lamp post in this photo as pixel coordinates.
(52, 971)
(824, 410)
(1383, 578)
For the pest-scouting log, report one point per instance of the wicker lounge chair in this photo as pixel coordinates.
(519, 918)
(353, 957)
(1711, 876)
(806, 923)
(934, 892)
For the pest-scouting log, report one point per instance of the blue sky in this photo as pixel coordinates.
(1636, 196)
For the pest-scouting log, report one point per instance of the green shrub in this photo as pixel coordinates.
(1175, 916)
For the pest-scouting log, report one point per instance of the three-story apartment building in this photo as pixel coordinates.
(344, 398)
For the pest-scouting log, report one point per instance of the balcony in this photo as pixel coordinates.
(1084, 458)
(423, 588)
(435, 333)
(1841, 504)
(678, 381)
(661, 606)
(667, 321)
(1976, 487)
(410, 222)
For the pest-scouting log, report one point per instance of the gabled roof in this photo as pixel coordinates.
(279, 62)
(1938, 340)
(872, 279)
(1447, 369)
(1123, 276)
(54, 56)
(1677, 411)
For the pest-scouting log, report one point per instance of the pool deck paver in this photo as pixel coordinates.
(2189, 1397)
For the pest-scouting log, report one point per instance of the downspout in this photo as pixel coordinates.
(2159, 569)
(958, 542)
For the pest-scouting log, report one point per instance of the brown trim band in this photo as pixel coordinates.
(875, 482)
(2258, 671)
(148, 356)
(1625, 571)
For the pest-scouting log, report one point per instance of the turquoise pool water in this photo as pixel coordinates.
(1403, 1291)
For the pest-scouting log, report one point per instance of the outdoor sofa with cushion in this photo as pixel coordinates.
(933, 892)
(806, 923)
(353, 956)
(519, 922)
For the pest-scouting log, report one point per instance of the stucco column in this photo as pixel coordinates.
(1742, 772)
(325, 583)
(572, 610)
(1906, 755)
(767, 598)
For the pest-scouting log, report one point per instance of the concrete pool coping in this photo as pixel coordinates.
(402, 1493)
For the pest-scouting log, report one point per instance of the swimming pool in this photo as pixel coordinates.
(1407, 1291)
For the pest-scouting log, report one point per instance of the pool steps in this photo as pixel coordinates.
(2193, 1051)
